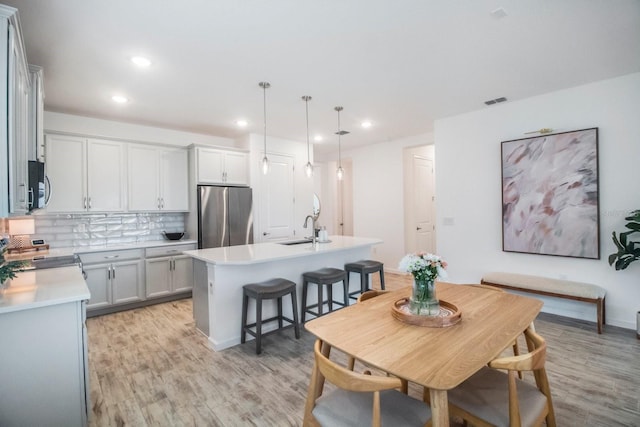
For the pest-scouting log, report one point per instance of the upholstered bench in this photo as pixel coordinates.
(577, 291)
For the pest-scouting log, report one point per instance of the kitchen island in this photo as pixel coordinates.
(220, 273)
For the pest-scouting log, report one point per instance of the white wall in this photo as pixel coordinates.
(67, 123)
(378, 201)
(468, 189)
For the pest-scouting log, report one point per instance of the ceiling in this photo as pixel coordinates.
(401, 64)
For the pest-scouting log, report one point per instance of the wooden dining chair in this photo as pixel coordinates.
(492, 397)
(358, 399)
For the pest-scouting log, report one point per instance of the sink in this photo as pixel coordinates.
(295, 242)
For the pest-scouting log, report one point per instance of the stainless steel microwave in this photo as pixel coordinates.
(37, 190)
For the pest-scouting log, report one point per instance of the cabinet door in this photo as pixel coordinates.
(105, 176)
(18, 103)
(99, 283)
(158, 278)
(143, 188)
(210, 166)
(174, 180)
(235, 167)
(182, 273)
(66, 169)
(126, 279)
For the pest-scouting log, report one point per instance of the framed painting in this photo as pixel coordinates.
(550, 203)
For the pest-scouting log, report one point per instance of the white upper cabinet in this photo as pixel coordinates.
(86, 175)
(36, 114)
(14, 109)
(216, 166)
(158, 178)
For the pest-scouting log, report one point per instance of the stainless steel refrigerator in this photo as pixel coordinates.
(224, 216)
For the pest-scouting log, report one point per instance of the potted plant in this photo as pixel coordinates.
(628, 250)
(9, 269)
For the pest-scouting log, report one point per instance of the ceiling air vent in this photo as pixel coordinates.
(495, 101)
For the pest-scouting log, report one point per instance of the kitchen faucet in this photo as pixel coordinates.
(314, 218)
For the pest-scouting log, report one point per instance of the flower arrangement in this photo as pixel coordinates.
(424, 266)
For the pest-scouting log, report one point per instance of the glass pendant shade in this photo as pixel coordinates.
(308, 168)
(265, 160)
(340, 173)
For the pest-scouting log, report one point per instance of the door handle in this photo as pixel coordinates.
(265, 233)
(418, 228)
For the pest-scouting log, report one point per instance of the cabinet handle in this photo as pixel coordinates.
(84, 202)
(158, 202)
(30, 197)
(113, 274)
(89, 202)
(111, 256)
(109, 273)
(265, 233)
(161, 202)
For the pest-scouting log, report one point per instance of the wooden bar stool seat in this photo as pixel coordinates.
(323, 277)
(269, 289)
(364, 268)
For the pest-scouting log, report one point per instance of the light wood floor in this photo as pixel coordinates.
(150, 367)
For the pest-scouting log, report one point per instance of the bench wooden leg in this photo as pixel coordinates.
(601, 314)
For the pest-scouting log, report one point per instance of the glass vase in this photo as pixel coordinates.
(423, 301)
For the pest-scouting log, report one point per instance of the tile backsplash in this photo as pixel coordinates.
(77, 230)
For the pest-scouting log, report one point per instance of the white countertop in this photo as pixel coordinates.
(40, 288)
(265, 252)
(98, 248)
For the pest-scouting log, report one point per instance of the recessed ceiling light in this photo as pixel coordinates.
(141, 61)
(119, 99)
(317, 138)
(366, 124)
(242, 123)
(499, 13)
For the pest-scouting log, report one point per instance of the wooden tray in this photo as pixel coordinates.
(449, 315)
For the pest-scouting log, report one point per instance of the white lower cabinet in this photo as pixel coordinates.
(43, 374)
(169, 275)
(115, 277)
(167, 271)
(121, 278)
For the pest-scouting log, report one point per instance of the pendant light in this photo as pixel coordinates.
(265, 160)
(340, 132)
(308, 168)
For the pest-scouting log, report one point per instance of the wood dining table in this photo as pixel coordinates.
(433, 357)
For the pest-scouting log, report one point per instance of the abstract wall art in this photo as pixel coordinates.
(550, 195)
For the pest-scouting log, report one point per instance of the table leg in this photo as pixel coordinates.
(439, 408)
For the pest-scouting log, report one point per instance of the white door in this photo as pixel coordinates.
(174, 180)
(143, 187)
(420, 200)
(277, 205)
(66, 170)
(344, 205)
(105, 176)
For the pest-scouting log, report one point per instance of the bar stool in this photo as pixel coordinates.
(364, 267)
(269, 289)
(323, 277)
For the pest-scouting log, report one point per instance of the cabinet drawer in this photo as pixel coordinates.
(168, 250)
(111, 256)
